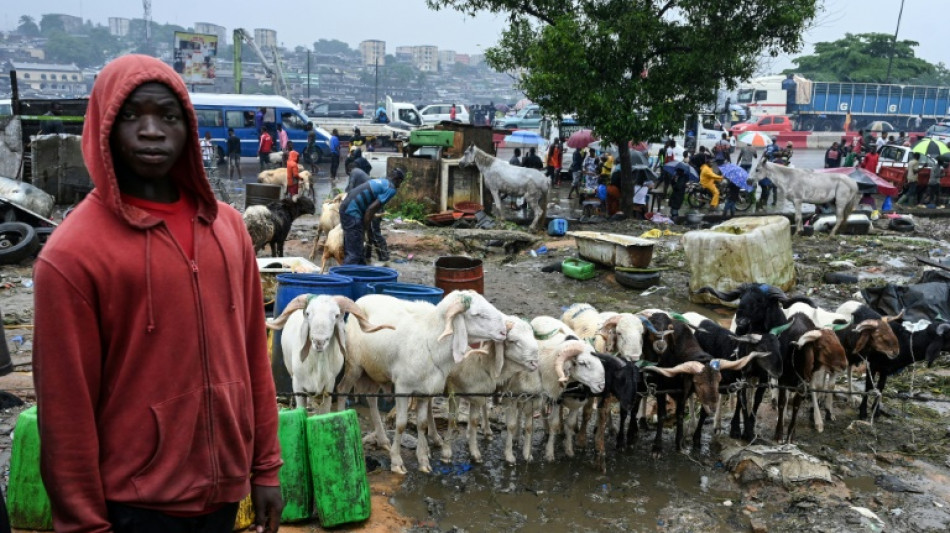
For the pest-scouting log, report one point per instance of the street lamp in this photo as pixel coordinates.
(890, 61)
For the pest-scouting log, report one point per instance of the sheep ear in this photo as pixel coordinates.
(303, 339)
(341, 334)
(499, 359)
(459, 338)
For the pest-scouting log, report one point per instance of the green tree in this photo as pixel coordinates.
(51, 23)
(27, 26)
(63, 48)
(633, 69)
(863, 58)
(332, 47)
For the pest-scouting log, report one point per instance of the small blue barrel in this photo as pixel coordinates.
(409, 291)
(363, 275)
(557, 227)
(289, 286)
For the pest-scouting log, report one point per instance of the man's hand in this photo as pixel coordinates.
(268, 505)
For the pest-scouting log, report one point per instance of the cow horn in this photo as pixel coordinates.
(689, 367)
(569, 350)
(299, 303)
(895, 317)
(739, 364)
(809, 336)
(349, 306)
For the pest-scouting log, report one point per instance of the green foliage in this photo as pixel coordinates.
(332, 47)
(411, 209)
(50, 24)
(90, 49)
(864, 58)
(633, 69)
(27, 26)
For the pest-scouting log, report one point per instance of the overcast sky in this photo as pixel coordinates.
(409, 22)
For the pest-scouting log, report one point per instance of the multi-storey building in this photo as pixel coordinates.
(373, 52)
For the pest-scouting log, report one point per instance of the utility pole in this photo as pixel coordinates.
(894, 43)
(376, 89)
(308, 74)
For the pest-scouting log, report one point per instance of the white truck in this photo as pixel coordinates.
(403, 118)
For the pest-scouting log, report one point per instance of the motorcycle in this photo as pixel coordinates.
(699, 197)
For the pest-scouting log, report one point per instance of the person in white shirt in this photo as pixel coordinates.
(880, 142)
(207, 150)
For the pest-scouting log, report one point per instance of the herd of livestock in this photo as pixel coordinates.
(588, 359)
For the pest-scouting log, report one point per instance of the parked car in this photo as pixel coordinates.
(435, 113)
(528, 118)
(768, 123)
(336, 110)
(939, 131)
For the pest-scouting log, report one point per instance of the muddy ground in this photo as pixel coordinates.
(899, 468)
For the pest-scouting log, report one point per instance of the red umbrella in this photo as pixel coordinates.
(865, 179)
(581, 138)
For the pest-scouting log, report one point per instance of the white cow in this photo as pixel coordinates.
(501, 177)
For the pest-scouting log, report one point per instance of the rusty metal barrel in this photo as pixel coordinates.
(453, 272)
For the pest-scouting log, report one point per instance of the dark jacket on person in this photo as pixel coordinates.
(533, 161)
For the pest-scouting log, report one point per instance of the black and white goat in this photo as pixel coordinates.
(271, 224)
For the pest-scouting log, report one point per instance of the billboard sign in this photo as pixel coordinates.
(194, 57)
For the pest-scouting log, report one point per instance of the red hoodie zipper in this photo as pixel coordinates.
(205, 360)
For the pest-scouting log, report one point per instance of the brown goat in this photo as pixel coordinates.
(810, 353)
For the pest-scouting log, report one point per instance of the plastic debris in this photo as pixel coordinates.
(27, 283)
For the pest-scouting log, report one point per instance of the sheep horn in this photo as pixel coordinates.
(809, 336)
(297, 304)
(750, 338)
(450, 313)
(895, 317)
(689, 367)
(473, 351)
(648, 325)
(724, 296)
(349, 306)
(870, 323)
(569, 350)
(942, 328)
(739, 364)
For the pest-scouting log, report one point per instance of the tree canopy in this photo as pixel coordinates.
(633, 69)
(27, 26)
(864, 57)
(332, 47)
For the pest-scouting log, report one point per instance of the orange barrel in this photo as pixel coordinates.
(456, 273)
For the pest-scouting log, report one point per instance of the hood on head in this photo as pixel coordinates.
(113, 85)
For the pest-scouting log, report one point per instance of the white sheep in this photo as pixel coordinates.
(481, 372)
(333, 248)
(562, 358)
(329, 219)
(314, 342)
(819, 316)
(278, 176)
(609, 332)
(416, 357)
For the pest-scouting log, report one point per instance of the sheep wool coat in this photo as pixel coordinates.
(153, 382)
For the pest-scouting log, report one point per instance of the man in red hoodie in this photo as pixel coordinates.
(156, 401)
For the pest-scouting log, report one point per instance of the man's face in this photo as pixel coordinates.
(149, 132)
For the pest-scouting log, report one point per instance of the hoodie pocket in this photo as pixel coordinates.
(234, 433)
(179, 466)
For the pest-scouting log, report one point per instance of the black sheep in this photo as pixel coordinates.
(272, 224)
(923, 345)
